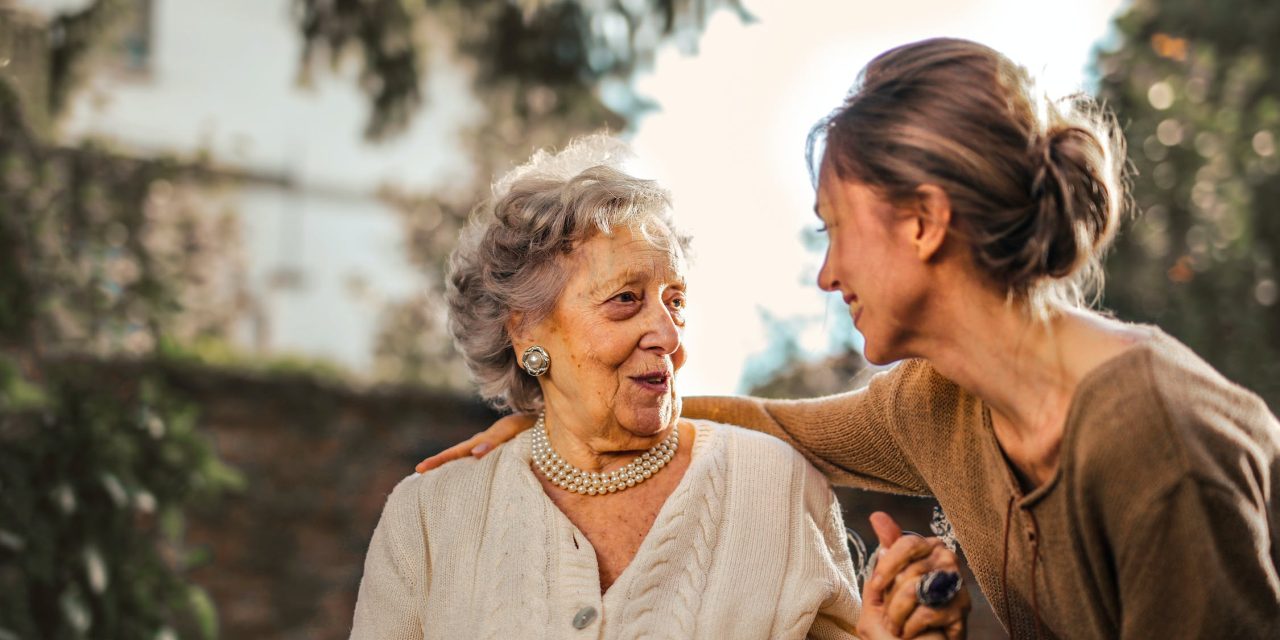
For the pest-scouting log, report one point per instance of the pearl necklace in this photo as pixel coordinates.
(570, 478)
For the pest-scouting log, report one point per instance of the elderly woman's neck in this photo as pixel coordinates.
(598, 446)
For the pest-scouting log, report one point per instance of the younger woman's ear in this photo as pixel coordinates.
(932, 220)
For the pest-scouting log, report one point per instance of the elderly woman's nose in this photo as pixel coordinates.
(663, 331)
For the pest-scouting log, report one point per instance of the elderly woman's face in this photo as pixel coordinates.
(615, 340)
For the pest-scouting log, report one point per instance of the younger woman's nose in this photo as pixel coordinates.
(826, 277)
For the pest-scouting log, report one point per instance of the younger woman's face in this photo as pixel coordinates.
(872, 263)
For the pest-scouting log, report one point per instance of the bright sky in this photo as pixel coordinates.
(729, 142)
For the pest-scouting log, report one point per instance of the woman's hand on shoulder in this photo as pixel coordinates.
(478, 445)
(891, 608)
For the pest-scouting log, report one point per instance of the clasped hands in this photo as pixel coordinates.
(891, 608)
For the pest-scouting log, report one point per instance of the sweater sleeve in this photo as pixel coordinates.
(1200, 550)
(394, 572)
(838, 615)
(850, 437)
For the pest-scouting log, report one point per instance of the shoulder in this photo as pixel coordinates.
(764, 462)
(447, 489)
(749, 448)
(924, 393)
(1161, 406)
(1190, 387)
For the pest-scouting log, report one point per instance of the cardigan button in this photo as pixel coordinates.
(585, 617)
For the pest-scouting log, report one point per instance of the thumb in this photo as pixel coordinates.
(886, 528)
(888, 532)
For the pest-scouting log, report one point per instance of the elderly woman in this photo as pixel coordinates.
(613, 517)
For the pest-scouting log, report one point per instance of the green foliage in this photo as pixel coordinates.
(75, 271)
(100, 252)
(88, 477)
(1197, 90)
(94, 473)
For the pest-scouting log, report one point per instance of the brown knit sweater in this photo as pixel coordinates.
(1162, 520)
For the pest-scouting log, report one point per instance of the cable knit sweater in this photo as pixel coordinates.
(749, 545)
(1161, 521)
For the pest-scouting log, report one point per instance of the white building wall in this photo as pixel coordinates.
(221, 80)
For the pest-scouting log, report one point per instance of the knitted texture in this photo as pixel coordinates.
(749, 545)
(1161, 520)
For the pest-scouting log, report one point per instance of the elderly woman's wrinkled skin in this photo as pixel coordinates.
(614, 339)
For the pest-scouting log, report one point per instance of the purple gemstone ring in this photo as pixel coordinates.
(937, 588)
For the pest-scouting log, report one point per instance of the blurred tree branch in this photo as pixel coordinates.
(565, 46)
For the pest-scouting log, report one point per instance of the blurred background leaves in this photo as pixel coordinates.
(1197, 89)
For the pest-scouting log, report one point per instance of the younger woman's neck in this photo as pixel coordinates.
(1024, 367)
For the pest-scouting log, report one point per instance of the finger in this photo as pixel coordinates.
(925, 620)
(481, 443)
(893, 560)
(456, 452)
(872, 598)
(886, 528)
(900, 598)
(944, 559)
(958, 630)
(871, 626)
(940, 559)
(887, 532)
(950, 618)
(501, 431)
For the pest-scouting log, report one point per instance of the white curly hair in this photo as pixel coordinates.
(510, 257)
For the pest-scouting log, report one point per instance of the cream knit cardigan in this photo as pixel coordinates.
(749, 545)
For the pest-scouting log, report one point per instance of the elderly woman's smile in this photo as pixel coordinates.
(615, 335)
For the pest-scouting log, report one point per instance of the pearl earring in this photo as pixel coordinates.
(535, 361)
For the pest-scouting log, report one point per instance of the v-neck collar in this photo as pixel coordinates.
(1084, 388)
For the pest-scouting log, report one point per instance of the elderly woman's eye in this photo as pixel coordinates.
(626, 296)
(678, 302)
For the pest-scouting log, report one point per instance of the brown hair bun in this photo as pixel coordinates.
(1035, 186)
